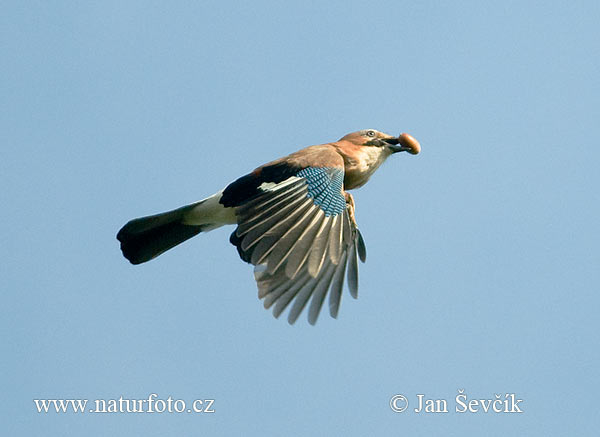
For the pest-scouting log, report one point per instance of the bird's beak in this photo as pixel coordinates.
(404, 143)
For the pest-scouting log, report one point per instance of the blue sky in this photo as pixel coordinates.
(482, 270)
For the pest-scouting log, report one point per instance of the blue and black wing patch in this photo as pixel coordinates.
(324, 185)
(297, 231)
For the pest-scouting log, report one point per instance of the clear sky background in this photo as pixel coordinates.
(483, 264)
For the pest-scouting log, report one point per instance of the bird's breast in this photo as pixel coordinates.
(360, 163)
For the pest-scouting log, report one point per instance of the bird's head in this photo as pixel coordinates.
(373, 138)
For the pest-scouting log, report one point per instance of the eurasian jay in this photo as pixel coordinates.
(295, 221)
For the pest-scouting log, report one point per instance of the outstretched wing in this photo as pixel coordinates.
(294, 226)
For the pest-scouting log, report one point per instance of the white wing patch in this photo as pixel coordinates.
(272, 186)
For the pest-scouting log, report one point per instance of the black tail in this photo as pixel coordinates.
(145, 238)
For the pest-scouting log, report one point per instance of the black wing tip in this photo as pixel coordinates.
(237, 242)
(362, 248)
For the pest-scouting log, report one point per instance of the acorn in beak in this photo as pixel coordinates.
(404, 143)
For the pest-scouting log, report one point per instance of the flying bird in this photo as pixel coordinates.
(295, 221)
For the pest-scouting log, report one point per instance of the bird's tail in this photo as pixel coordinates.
(145, 238)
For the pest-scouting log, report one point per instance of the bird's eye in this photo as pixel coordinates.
(371, 133)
